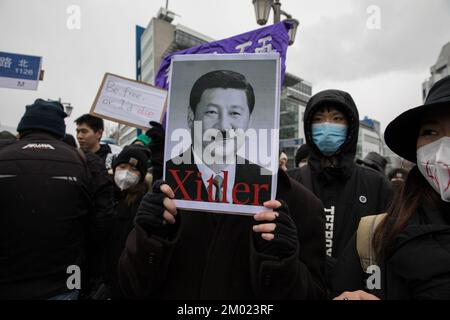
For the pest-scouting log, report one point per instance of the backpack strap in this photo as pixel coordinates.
(364, 237)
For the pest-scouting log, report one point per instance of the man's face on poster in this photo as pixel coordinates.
(226, 111)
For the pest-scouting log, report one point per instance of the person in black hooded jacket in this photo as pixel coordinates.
(348, 191)
(411, 245)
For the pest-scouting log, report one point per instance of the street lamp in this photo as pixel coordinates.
(262, 12)
(293, 30)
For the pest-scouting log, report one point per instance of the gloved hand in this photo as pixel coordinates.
(157, 135)
(157, 211)
(275, 233)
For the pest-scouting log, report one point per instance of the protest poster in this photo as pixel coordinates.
(129, 102)
(221, 147)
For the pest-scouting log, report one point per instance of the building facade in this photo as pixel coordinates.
(370, 138)
(438, 71)
(159, 39)
(162, 37)
(295, 94)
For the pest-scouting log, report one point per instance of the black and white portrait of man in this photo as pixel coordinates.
(219, 115)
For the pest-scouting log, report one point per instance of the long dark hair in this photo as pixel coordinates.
(415, 192)
(135, 192)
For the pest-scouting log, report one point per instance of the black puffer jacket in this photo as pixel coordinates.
(124, 215)
(348, 191)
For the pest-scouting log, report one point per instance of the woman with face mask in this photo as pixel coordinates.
(411, 244)
(129, 171)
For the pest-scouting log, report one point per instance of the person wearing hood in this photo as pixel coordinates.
(411, 244)
(302, 156)
(348, 191)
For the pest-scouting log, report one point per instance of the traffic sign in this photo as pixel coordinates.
(19, 71)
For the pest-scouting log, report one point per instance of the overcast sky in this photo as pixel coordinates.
(383, 69)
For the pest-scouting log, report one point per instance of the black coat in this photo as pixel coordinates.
(213, 257)
(104, 151)
(106, 155)
(348, 191)
(366, 192)
(124, 215)
(417, 266)
(50, 213)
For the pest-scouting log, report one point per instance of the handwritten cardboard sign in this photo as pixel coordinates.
(129, 102)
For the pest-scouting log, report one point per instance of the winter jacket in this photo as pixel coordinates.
(50, 213)
(348, 191)
(213, 256)
(98, 236)
(106, 155)
(104, 151)
(417, 265)
(124, 215)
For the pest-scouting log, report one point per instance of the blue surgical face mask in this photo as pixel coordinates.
(329, 137)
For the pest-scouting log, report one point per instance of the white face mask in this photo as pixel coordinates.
(433, 161)
(125, 179)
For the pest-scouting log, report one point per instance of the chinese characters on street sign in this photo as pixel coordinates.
(19, 71)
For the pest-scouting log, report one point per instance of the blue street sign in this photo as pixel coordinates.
(19, 71)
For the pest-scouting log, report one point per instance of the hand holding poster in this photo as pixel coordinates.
(221, 150)
(129, 102)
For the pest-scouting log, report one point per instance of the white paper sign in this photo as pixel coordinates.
(129, 102)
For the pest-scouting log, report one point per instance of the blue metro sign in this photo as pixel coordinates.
(19, 71)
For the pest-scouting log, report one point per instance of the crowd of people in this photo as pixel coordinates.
(339, 227)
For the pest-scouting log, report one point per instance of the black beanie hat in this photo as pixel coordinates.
(136, 156)
(44, 115)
